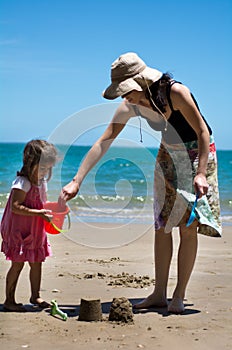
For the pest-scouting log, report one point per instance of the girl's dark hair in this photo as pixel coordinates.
(158, 91)
(37, 152)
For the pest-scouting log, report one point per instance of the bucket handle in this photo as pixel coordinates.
(59, 229)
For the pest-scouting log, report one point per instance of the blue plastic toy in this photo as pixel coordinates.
(192, 216)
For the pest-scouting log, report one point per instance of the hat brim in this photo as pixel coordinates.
(117, 89)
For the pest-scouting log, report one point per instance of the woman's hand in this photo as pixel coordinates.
(69, 191)
(200, 184)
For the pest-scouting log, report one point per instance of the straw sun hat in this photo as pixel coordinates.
(129, 72)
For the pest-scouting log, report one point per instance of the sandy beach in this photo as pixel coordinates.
(78, 271)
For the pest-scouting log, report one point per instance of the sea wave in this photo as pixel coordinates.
(110, 215)
(94, 214)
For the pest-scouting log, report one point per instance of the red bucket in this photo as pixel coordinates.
(58, 213)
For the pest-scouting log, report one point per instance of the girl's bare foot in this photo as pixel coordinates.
(176, 306)
(40, 302)
(151, 301)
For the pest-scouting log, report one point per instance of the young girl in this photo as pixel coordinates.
(22, 227)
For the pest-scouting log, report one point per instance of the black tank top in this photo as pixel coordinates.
(181, 129)
(178, 129)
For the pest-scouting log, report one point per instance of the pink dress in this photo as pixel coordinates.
(24, 237)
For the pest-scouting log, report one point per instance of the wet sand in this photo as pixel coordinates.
(78, 271)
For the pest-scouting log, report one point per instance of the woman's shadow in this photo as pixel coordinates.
(74, 310)
(161, 310)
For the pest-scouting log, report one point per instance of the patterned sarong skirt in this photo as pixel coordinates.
(174, 194)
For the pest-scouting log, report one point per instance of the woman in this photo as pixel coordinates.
(185, 166)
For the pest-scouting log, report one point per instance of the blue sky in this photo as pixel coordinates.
(55, 57)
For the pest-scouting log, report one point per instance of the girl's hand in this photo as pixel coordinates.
(69, 191)
(200, 184)
(45, 214)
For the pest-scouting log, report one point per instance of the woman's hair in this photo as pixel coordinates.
(158, 92)
(37, 152)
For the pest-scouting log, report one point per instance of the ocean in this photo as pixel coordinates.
(119, 189)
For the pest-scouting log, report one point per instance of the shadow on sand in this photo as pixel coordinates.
(74, 310)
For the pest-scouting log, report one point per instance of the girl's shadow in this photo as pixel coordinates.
(27, 307)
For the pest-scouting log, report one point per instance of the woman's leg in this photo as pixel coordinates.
(35, 280)
(11, 283)
(163, 255)
(186, 259)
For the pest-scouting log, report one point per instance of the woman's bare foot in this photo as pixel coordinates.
(40, 302)
(176, 306)
(151, 301)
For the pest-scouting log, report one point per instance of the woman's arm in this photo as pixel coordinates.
(17, 198)
(182, 101)
(121, 117)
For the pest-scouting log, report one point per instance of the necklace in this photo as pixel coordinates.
(156, 107)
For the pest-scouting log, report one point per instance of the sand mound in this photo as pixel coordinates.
(121, 310)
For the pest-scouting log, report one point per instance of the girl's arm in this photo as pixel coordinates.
(121, 117)
(182, 101)
(17, 198)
